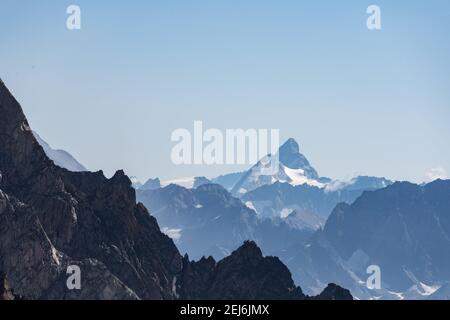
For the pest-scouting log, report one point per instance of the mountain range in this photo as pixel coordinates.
(400, 227)
(52, 218)
(323, 230)
(208, 220)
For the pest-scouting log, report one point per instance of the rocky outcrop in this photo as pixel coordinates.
(334, 292)
(51, 218)
(64, 218)
(245, 274)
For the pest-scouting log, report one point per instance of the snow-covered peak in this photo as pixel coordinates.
(290, 156)
(293, 168)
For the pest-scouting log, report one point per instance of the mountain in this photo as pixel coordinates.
(293, 168)
(208, 220)
(151, 184)
(334, 292)
(316, 202)
(295, 187)
(135, 183)
(200, 181)
(61, 158)
(228, 181)
(290, 157)
(403, 228)
(358, 184)
(245, 270)
(52, 218)
(190, 183)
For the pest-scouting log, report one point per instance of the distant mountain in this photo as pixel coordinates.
(189, 183)
(293, 168)
(208, 220)
(228, 181)
(61, 158)
(151, 184)
(135, 183)
(358, 184)
(52, 218)
(403, 228)
(276, 199)
(290, 157)
(296, 186)
(200, 181)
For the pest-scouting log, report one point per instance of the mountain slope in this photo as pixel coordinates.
(403, 228)
(228, 181)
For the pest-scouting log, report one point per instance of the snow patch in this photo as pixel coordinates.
(250, 205)
(297, 177)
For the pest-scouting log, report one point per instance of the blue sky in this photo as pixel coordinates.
(358, 101)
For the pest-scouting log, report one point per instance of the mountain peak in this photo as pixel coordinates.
(290, 146)
(250, 249)
(291, 157)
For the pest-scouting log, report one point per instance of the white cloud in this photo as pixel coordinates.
(174, 234)
(436, 173)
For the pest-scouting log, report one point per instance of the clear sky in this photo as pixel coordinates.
(357, 101)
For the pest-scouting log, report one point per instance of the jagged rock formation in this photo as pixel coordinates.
(334, 292)
(245, 274)
(51, 218)
(81, 218)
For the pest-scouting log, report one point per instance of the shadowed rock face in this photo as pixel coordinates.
(60, 214)
(5, 291)
(245, 274)
(51, 218)
(334, 292)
